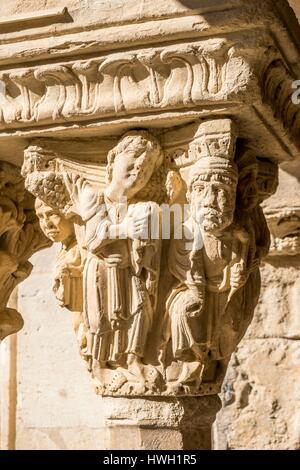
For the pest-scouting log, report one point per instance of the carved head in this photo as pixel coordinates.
(212, 193)
(132, 163)
(53, 224)
(267, 178)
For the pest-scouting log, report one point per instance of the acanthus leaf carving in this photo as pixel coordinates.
(88, 74)
(63, 89)
(277, 81)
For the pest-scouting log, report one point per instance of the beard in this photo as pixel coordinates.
(213, 220)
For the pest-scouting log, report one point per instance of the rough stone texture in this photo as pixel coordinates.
(261, 390)
(56, 404)
(160, 424)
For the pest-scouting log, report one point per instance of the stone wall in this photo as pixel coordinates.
(261, 390)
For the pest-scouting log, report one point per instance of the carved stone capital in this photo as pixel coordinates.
(159, 302)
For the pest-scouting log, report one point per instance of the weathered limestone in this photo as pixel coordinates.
(139, 339)
(20, 237)
(55, 405)
(176, 116)
(260, 392)
(161, 423)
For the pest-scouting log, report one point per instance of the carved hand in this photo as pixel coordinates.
(135, 229)
(238, 275)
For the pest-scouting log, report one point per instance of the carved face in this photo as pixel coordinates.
(213, 204)
(131, 173)
(54, 225)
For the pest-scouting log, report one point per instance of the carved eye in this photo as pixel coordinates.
(131, 166)
(199, 189)
(223, 195)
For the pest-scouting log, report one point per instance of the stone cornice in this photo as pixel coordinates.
(107, 29)
(171, 68)
(143, 80)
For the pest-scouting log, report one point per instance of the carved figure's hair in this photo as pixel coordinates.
(137, 142)
(37, 158)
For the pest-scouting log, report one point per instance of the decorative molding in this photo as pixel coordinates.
(34, 19)
(128, 82)
(284, 226)
(277, 85)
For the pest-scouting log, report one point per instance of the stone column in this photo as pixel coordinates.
(160, 423)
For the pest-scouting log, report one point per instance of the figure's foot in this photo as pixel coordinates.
(136, 368)
(134, 389)
(190, 372)
(177, 389)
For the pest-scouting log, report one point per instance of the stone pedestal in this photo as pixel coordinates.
(160, 424)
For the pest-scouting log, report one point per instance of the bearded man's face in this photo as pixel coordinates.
(213, 204)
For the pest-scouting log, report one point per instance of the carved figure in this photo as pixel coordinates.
(122, 268)
(140, 336)
(20, 237)
(68, 266)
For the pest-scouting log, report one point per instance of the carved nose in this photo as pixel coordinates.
(209, 198)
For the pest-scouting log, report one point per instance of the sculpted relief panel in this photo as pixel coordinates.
(159, 262)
